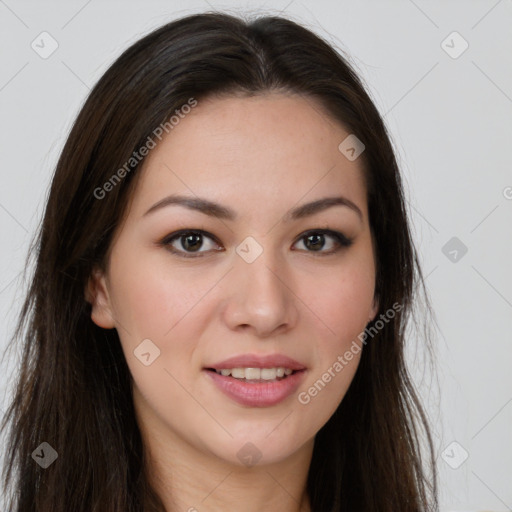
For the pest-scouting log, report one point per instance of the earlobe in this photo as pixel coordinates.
(374, 310)
(96, 293)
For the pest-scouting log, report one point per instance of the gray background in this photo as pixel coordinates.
(449, 116)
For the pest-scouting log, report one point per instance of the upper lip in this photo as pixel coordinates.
(258, 361)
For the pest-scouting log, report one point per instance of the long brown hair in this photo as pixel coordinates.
(74, 387)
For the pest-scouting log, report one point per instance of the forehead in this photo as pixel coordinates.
(269, 151)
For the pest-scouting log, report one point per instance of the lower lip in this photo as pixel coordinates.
(257, 394)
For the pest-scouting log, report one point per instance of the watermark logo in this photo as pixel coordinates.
(249, 455)
(45, 455)
(454, 249)
(249, 249)
(351, 147)
(454, 455)
(44, 45)
(454, 45)
(147, 352)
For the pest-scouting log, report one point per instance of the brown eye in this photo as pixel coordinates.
(191, 242)
(187, 242)
(315, 241)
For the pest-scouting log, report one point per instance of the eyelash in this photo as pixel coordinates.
(342, 241)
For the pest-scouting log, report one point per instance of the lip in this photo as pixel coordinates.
(258, 361)
(262, 393)
(257, 394)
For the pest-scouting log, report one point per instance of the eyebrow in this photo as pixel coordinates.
(222, 212)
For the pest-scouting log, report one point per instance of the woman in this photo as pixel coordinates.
(224, 275)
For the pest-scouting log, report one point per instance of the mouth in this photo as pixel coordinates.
(256, 387)
(255, 375)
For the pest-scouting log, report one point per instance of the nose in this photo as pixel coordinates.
(261, 297)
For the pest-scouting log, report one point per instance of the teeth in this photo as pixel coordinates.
(268, 373)
(255, 373)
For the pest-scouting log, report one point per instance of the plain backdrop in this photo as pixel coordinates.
(441, 74)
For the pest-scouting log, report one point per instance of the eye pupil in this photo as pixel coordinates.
(315, 241)
(191, 242)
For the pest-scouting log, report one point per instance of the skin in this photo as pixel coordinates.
(260, 156)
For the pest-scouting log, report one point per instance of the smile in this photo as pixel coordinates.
(256, 374)
(254, 390)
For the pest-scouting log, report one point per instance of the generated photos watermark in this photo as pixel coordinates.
(143, 151)
(343, 360)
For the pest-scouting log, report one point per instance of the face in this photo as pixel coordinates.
(257, 276)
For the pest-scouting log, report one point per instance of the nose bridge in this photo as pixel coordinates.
(261, 273)
(257, 264)
(261, 298)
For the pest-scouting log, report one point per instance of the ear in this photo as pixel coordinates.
(96, 293)
(373, 311)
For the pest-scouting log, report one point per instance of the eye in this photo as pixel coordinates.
(315, 241)
(187, 242)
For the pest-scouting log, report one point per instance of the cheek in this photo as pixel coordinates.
(153, 300)
(168, 306)
(342, 300)
(341, 303)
